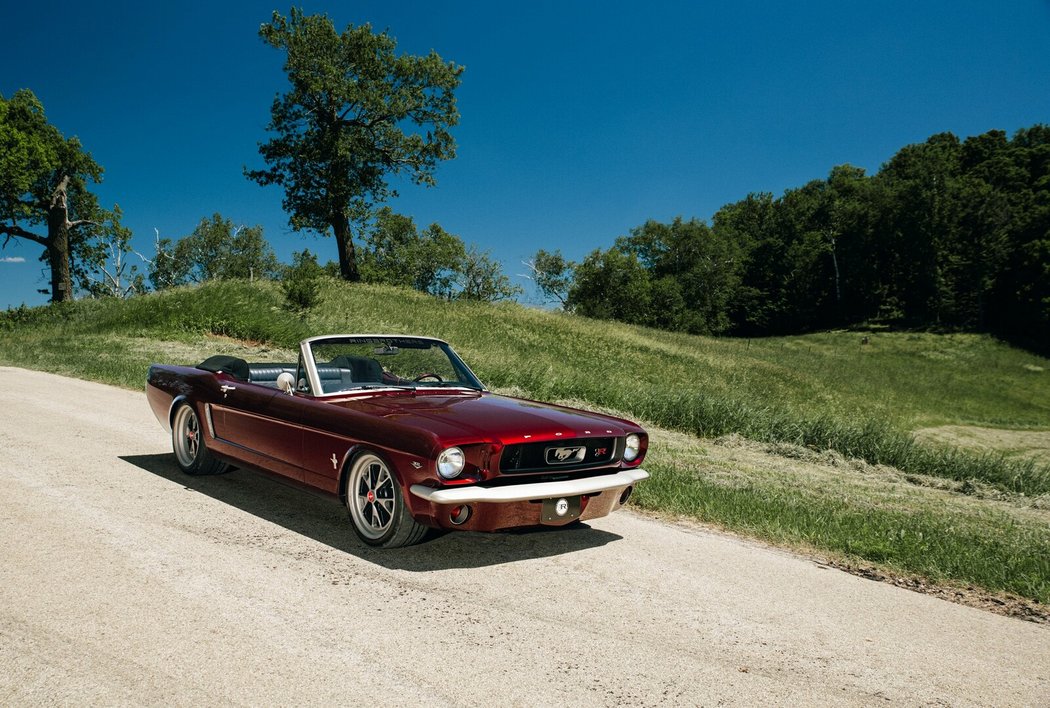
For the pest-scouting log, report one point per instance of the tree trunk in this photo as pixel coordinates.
(344, 241)
(58, 244)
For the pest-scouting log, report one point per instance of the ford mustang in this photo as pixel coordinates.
(402, 432)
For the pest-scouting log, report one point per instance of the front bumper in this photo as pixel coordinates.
(530, 492)
(521, 505)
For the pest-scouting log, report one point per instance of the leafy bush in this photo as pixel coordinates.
(300, 284)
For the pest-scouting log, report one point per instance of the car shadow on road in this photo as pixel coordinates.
(325, 520)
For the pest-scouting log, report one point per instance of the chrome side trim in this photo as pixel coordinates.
(527, 492)
(211, 423)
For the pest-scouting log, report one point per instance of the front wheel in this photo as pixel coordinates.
(187, 440)
(377, 509)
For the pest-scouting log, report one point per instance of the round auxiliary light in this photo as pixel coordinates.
(634, 446)
(450, 462)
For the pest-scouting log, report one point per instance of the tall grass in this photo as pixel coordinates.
(825, 391)
(940, 541)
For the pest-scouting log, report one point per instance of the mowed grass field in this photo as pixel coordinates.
(858, 451)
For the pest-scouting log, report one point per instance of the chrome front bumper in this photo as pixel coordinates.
(528, 492)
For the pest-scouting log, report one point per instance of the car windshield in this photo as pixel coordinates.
(350, 363)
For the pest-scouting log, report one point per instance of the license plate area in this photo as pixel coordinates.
(561, 509)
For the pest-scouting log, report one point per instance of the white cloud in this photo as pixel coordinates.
(12, 259)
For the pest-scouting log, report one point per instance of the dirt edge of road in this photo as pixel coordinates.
(1005, 604)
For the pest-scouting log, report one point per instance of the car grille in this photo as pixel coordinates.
(558, 455)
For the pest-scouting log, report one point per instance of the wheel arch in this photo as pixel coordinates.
(355, 451)
(206, 418)
(175, 403)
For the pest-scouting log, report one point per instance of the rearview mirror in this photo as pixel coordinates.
(285, 382)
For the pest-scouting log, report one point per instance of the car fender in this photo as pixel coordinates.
(175, 403)
(359, 448)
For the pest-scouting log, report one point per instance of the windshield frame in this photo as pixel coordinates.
(468, 381)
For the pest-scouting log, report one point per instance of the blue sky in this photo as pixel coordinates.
(579, 120)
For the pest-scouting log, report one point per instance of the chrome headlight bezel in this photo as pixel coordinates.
(450, 463)
(632, 447)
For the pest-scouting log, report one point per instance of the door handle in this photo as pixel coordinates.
(226, 390)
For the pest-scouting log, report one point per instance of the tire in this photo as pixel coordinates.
(187, 442)
(377, 507)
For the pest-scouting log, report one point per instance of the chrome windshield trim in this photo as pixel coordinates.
(314, 378)
(323, 337)
(529, 492)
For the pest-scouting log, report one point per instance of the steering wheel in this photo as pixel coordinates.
(428, 376)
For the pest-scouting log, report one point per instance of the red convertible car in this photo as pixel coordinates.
(403, 433)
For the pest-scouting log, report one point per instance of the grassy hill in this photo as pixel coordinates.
(831, 419)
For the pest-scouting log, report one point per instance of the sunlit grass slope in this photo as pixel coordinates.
(825, 391)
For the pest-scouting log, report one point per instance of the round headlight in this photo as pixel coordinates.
(450, 462)
(634, 445)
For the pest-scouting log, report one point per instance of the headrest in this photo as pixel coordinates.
(365, 369)
(237, 368)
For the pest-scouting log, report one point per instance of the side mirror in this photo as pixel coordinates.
(286, 382)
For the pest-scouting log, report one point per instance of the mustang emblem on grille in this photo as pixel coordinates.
(565, 455)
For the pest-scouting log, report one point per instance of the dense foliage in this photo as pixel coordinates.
(395, 252)
(301, 284)
(948, 234)
(354, 115)
(216, 249)
(45, 197)
(433, 261)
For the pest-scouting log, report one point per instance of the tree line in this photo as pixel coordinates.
(393, 251)
(948, 234)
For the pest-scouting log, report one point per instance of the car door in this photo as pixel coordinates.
(263, 423)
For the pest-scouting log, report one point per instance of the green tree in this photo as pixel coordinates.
(162, 270)
(553, 275)
(751, 224)
(396, 253)
(481, 278)
(994, 197)
(300, 281)
(216, 249)
(249, 256)
(920, 228)
(841, 222)
(44, 195)
(805, 291)
(693, 274)
(117, 275)
(611, 285)
(344, 126)
(1019, 302)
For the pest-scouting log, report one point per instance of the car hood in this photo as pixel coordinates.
(475, 417)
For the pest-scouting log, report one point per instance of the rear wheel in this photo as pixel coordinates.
(187, 440)
(377, 509)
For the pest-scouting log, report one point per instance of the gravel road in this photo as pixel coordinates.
(123, 581)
